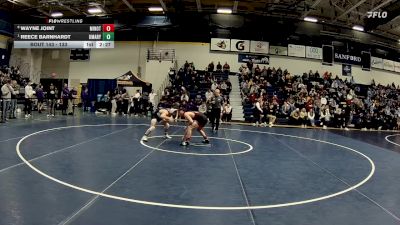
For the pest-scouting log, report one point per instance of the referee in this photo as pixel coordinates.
(216, 104)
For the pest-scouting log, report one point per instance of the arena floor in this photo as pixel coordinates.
(94, 170)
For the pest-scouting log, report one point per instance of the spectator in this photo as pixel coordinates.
(311, 117)
(257, 112)
(184, 97)
(152, 101)
(85, 99)
(295, 117)
(136, 102)
(51, 103)
(226, 67)
(65, 95)
(270, 114)
(303, 118)
(73, 94)
(227, 112)
(14, 98)
(325, 117)
(6, 92)
(40, 97)
(28, 99)
(210, 67)
(203, 108)
(219, 67)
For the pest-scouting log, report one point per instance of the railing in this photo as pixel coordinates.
(24, 67)
(159, 92)
(160, 54)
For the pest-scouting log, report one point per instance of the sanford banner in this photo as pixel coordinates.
(256, 59)
(352, 58)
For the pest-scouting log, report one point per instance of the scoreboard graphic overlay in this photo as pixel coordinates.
(64, 35)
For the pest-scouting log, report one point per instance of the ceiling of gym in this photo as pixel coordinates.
(342, 13)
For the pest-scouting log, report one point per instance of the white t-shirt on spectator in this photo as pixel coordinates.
(151, 97)
(209, 95)
(324, 101)
(28, 91)
(185, 98)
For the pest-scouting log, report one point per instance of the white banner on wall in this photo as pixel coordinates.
(240, 45)
(388, 65)
(220, 44)
(376, 62)
(277, 50)
(297, 50)
(259, 47)
(313, 52)
(397, 66)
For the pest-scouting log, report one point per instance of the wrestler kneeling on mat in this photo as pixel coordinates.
(165, 116)
(196, 120)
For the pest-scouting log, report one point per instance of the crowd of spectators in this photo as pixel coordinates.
(16, 90)
(193, 89)
(312, 99)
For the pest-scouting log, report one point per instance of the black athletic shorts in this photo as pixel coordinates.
(156, 115)
(201, 119)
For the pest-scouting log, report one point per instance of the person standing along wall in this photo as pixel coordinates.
(40, 97)
(51, 96)
(65, 97)
(6, 92)
(73, 94)
(28, 99)
(85, 99)
(14, 98)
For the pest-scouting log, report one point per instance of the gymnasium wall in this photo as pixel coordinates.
(110, 63)
(125, 56)
(157, 73)
(55, 61)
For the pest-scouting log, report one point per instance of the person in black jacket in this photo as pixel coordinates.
(216, 104)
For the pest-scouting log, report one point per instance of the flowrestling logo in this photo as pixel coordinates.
(379, 15)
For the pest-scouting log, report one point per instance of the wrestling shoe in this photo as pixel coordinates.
(145, 139)
(206, 141)
(184, 143)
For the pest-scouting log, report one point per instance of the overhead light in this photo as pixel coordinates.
(95, 10)
(310, 19)
(56, 14)
(358, 27)
(224, 11)
(13, 1)
(156, 9)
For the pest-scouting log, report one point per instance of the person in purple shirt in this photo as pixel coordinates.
(65, 97)
(40, 97)
(85, 99)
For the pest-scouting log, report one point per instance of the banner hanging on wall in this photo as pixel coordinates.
(313, 52)
(297, 50)
(346, 70)
(259, 47)
(220, 44)
(388, 65)
(240, 45)
(397, 66)
(376, 62)
(256, 59)
(278, 50)
(347, 58)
